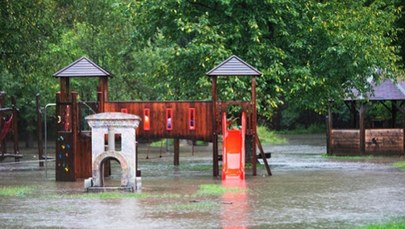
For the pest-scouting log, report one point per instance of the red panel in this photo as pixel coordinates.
(124, 110)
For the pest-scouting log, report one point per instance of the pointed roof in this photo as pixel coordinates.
(82, 67)
(234, 66)
(386, 90)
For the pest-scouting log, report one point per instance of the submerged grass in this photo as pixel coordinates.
(17, 191)
(354, 158)
(217, 190)
(398, 223)
(115, 195)
(400, 165)
(199, 206)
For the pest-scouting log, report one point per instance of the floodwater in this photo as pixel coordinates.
(305, 191)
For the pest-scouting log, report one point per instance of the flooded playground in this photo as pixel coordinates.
(307, 190)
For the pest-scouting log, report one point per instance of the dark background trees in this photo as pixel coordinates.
(308, 51)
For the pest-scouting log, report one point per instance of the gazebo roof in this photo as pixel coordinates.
(386, 90)
(82, 67)
(234, 66)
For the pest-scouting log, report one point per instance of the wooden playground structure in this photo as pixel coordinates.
(195, 120)
(8, 128)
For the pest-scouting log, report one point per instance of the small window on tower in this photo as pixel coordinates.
(169, 119)
(146, 119)
(191, 118)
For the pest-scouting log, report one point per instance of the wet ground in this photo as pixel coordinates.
(306, 190)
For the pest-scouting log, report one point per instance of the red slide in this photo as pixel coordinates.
(233, 150)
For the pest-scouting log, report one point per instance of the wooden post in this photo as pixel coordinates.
(214, 127)
(64, 89)
(266, 164)
(254, 126)
(393, 113)
(362, 129)
(353, 114)
(39, 131)
(75, 136)
(3, 142)
(329, 123)
(15, 126)
(403, 130)
(176, 146)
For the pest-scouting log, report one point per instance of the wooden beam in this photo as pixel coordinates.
(266, 164)
(64, 89)
(176, 149)
(254, 126)
(75, 122)
(39, 131)
(215, 165)
(394, 112)
(15, 126)
(3, 142)
(353, 114)
(103, 88)
(329, 127)
(362, 129)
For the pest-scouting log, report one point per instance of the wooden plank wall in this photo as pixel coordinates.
(377, 142)
(384, 141)
(203, 118)
(345, 142)
(83, 157)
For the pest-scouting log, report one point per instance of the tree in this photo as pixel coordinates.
(309, 51)
(26, 28)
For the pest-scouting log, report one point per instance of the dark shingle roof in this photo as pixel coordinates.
(83, 67)
(234, 66)
(386, 90)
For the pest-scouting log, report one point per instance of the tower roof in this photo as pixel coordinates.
(234, 66)
(82, 67)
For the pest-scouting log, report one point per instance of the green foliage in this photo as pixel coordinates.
(308, 51)
(270, 137)
(311, 129)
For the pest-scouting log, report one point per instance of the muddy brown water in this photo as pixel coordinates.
(305, 191)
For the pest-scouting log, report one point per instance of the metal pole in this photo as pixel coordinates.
(46, 138)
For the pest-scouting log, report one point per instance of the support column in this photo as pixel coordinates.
(362, 129)
(214, 127)
(403, 130)
(176, 146)
(254, 127)
(394, 111)
(15, 126)
(39, 131)
(353, 114)
(64, 89)
(329, 123)
(3, 142)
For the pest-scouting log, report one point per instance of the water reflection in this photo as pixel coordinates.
(235, 207)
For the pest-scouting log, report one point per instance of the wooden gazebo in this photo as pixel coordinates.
(364, 138)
